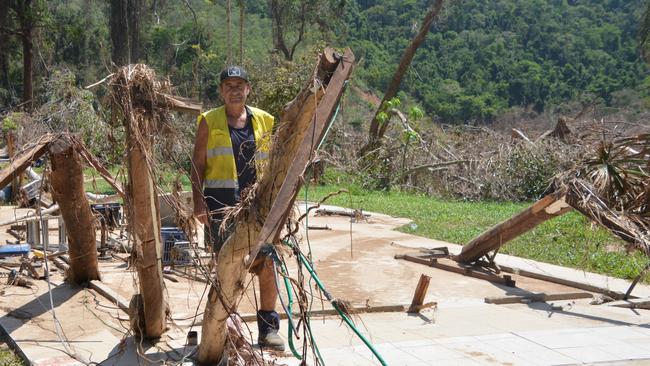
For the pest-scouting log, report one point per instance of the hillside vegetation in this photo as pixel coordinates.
(481, 58)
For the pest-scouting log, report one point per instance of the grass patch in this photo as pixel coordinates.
(7, 357)
(569, 240)
(96, 184)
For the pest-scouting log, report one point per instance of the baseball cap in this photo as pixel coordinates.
(233, 72)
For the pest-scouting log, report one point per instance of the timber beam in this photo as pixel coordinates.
(552, 205)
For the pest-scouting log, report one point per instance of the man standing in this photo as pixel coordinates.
(230, 143)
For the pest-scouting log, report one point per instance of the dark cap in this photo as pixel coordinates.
(233, 72)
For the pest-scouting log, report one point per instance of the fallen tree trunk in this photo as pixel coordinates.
(545, 209)
(68, 190)
(303, 125)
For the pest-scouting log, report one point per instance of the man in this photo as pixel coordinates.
(230, 141)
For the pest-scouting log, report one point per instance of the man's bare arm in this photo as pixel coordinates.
(198, 171)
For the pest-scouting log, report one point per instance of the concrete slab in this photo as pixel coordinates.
(356, 263)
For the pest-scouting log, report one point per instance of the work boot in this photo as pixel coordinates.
(268, 325)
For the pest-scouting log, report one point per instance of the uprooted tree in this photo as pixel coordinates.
(260, 217)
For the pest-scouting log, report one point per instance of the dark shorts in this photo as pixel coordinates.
(214, 238)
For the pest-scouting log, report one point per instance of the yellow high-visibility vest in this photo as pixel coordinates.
(220, 170)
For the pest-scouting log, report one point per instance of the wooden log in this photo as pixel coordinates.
(25, 159)
(545, 209)
(540, 297)
(304, 124)
(143, 208)
(420, 293)
(68, 190)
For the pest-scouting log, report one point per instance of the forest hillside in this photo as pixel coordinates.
(481, 59)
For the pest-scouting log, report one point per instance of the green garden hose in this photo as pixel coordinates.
(328, 296)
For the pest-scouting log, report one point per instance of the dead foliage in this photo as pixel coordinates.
(480, 163)
(611, 186)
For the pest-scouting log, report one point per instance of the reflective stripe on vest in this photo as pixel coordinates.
(220, 151)
(226, 183)
(221, 170)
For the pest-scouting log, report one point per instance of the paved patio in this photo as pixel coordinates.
(356, 263)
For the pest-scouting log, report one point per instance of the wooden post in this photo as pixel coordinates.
(67, 182)
(420, 293)
(546, 208)
(130, 87)
(145, 226)
(304, 121)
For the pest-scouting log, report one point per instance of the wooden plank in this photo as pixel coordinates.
(453, 266)
(415, 259)
(420, 294)
(643, 303)
(25, 159)
(475, 272)
(563, 281)
(539, 297)
(328, 312)
(545, 209)
(110, 295)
